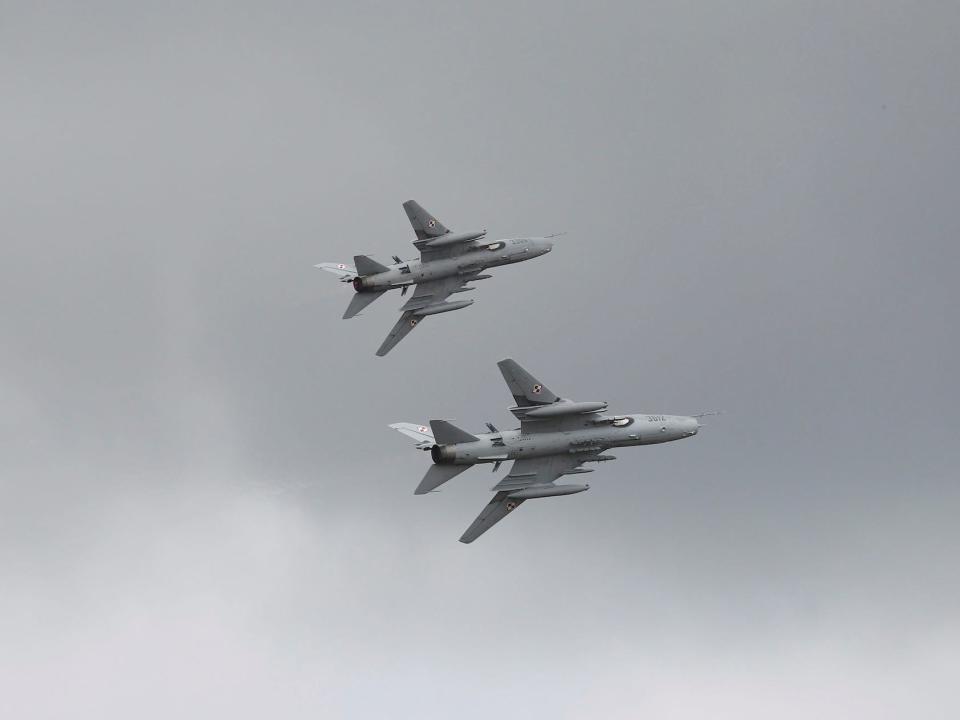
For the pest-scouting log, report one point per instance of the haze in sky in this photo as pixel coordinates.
(204, 512)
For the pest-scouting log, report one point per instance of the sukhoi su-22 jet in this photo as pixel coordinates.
(448, 262)
(556, 437)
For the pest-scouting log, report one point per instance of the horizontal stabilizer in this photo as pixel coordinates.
(366, 266)
(359, 301)
(420, 433)
(449, 434)
(437, 475)
(343, 271)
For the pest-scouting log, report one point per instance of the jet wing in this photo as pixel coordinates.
(427, 293)
(431, 292)
(407, 322)
(525, 388)
(428, 254)
(428, 228)
(525, 473)
(542, 470)
(495, 511)
(531, 394)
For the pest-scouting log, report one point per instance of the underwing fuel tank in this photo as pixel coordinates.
(547, 491)
(566, 408)
(454, 238)
(601, 458)
(443, 307)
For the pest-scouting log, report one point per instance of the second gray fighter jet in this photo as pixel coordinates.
(556, 437)
(448, 262)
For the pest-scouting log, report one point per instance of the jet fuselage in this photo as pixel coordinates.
(481, 256)
(586, 434)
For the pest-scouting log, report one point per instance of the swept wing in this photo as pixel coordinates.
(538, 408)
(528, 472)
(537, 473)
(426, 299)
(434, 241)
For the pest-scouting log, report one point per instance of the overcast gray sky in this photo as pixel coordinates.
(203, 511)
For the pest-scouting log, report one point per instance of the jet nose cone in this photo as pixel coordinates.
(546, 246)
(693, 426)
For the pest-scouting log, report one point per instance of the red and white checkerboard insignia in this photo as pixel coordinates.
(511, 505)
(423, 429)
(413, 322)
(432, 223)
(341, 266)
(537, 389)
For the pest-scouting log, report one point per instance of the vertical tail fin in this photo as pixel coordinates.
(366, 266)
(449, 434)
(526, 389)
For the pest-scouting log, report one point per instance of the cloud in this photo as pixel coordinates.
(204, 513)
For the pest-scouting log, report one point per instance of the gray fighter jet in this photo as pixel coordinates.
(556, 437)
(448, 261)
